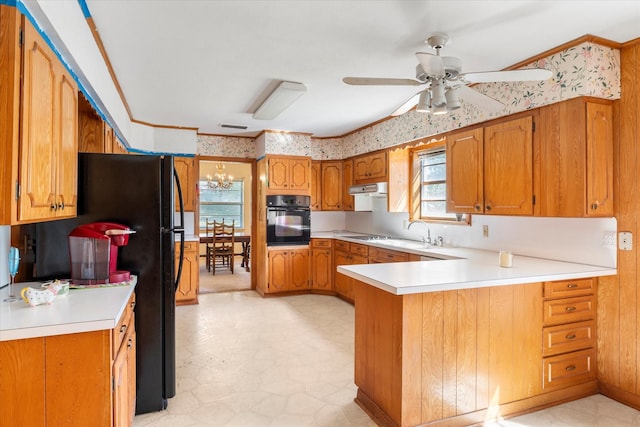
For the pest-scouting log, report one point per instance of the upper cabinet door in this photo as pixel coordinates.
(599, 160)
(300, 174)
(68, 155)
(278, 173)
(508, 167)
(332, 185)
(186, 169)
(465, 193)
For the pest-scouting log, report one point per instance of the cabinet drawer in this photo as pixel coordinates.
(321, 243)
(342, 245)
(566, 338)
(568, 288)
(384, 255)
(358, 249)
(124, 324)
(569, 310)
(569, 369)
(190, 246)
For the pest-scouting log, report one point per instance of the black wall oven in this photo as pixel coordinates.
(288, 220)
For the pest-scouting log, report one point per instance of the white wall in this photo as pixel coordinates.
(568, 239)
(5, 243)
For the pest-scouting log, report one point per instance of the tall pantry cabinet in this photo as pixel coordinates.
(39, 126)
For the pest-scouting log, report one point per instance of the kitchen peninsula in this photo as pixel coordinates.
(460, 341)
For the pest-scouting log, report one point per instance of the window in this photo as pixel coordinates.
(222, 204)
(433, 187)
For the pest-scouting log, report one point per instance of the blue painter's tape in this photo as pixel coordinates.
(160, 153)
(85, 8)
(8, 2)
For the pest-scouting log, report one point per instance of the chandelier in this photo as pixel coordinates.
(221, 181)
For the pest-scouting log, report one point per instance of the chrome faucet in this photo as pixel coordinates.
(426, 240)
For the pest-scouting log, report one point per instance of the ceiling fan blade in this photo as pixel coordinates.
(380, 81)
(530, 74)
(408, 105)
(431, 64)
(472, 96)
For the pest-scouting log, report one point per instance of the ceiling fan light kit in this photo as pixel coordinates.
(285, 94)
(446, 84)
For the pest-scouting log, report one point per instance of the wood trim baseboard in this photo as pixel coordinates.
(622, 396)
(478, 418)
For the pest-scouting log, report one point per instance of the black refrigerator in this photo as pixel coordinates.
(136, 191)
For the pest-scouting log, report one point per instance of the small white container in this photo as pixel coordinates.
(505, 259)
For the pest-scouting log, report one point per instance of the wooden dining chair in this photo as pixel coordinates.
(209, 244)
(223, 245)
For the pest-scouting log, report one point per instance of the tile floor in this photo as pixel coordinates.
(243, 360)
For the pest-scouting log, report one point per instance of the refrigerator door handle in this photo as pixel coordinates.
(179, 230)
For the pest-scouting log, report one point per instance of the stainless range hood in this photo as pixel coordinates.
(378, 188)
(363, 195)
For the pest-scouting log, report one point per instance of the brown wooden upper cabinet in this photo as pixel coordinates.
(370, 168)
(187, 170)
(577, 158)
(316, 185)
(40, 180)
(332, 182)
(289, 175)
(490, 169)
(347, 181)
(94, 134)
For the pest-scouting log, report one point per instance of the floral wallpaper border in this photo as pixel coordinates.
(587, 69)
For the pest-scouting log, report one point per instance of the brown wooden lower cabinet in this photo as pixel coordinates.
(321, 265)
(189, 285)
(82, 379)
(461, 357)
(288, 269)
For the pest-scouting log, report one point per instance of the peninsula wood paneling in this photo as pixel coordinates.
(618, 299)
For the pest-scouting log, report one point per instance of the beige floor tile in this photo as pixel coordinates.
(244, 360)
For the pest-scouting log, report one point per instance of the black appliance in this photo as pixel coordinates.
(136, 191)
(288, 220)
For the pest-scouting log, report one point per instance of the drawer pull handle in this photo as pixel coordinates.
(123, 328)
(570, 368)
(572, 285)
(571, 336)
(571, 308)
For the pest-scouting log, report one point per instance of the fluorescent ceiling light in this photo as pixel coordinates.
(284, 95)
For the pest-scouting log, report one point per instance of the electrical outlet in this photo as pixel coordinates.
(485, 231)
(609, 239)
(626, 241)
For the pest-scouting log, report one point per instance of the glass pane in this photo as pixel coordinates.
(434, 191)
(435, 209)
(234, 194)
(434, 172)
(434, 158)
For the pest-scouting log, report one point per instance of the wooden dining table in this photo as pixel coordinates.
(244, 239)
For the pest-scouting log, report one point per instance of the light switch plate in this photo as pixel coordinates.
(625, 241)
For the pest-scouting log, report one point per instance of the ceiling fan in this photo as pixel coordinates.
(446, 84)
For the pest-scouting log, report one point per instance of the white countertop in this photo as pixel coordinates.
(81, 310)
(459, 268)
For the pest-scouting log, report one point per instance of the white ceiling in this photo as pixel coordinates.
(199, 63)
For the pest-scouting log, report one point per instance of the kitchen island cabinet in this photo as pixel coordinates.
(458, 342)
(69, 368)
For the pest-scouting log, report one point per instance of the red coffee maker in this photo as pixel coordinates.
(93, 250)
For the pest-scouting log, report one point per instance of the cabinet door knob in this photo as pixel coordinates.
(61, 206)
(488, 207)
(123, 328)
(54, 206)
(594, 206)
(477, 207)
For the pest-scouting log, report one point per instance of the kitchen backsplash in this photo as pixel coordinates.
(5, 243)
(568, 239)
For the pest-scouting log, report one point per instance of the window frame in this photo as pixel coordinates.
(416, 184)
(203, 187)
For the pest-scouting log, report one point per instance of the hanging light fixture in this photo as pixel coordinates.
(438, 99)
(453, 102)
(221, 181)
(424, 102)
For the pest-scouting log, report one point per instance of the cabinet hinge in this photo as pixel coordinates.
(20, 38)
(533, 125)
(17, 190)
(534, 199)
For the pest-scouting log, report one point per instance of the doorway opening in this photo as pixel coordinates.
(226, 189)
